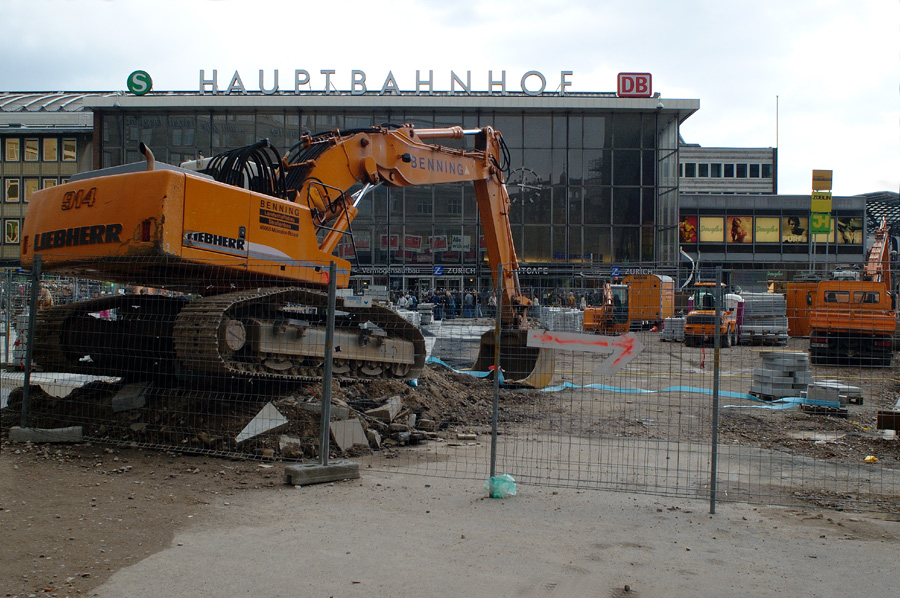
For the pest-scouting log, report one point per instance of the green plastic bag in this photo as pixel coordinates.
(500, 486)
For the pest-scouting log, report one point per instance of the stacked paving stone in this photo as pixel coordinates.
(672, 330)
(562, 319)
(781, 375)
(835, 391)
(765, 319)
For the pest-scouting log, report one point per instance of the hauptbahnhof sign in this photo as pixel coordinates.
(532, 83)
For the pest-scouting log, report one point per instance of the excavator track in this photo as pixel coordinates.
(271, 333)
(279, 333)
(110, 336)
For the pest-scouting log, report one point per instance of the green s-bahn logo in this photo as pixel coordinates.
(139, 83)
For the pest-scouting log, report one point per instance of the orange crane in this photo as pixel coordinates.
(256, 219)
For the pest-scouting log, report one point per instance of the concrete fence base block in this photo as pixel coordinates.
(71, 434)
(314, 473)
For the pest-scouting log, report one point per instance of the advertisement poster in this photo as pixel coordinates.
(395, 241)
(740, 229)
(712, 229)
(439, 243)
(768, 230)
(460, 242)
(412, 243)
(688, 229)
(850, 231)
(794, 229)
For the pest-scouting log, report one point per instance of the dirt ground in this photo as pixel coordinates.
(74, 515)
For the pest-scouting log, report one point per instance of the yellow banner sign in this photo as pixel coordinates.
(821, 202)
(821, 180)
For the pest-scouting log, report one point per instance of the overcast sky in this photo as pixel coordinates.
(834, 65)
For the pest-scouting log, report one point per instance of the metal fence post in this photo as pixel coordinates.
(714, 456)
(29, 341)
(495, 411)
(7, 310)
(325, 439)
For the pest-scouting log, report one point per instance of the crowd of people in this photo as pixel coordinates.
(470, 303)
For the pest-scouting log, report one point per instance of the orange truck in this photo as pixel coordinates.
(252, 218)
(700, 322)
(852, 320)
(640, 301)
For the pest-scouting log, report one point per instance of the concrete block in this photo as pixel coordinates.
(70, 434)
(130, 396)
(313, 473)
(269, 419)
(374, 439)
(347, 433)
(785, 360)
(388, 411)
(290, 447)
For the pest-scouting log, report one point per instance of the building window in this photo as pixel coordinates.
(11, 232)
(690, 170)
(729, 171)
(715, 171)
(767, 171)
(31, 150)
(741, 171)
(454, 204)
(754, 171)
(70, 150)
(703, 170)
(31, 185)
(12, 191)
(51, 150)
(12, 150)
(47, 183)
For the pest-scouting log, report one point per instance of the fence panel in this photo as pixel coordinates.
(791, 426)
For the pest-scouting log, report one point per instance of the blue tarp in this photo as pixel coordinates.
(784, 403)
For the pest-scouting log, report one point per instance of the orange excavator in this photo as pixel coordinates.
(246, 244)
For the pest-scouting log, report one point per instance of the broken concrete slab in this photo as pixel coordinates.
(347, 433)
(388, 411)
(314, 473)
(269, 419)
(70, 434)
(130, 396)
(374, 439)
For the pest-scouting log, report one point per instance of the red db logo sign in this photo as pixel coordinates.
(635, 85)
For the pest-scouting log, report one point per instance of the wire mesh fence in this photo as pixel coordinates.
(775, 394)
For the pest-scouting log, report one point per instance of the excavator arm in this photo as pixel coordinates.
(403, 157)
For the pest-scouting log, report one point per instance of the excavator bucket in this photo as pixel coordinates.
(521, 365)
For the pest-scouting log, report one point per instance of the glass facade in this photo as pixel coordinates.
(591, 187)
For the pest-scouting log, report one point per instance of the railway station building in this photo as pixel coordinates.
(599, 181)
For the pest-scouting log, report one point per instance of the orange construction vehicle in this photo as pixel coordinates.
(252, 219)
(700, 323)
(640, 301)
(853, 318)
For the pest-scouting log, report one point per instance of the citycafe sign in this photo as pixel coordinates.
(532, 83)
